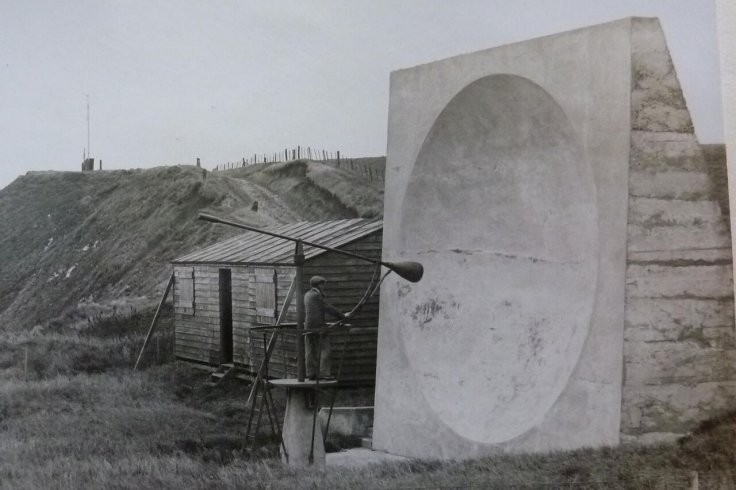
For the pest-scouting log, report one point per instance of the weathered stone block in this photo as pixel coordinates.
(665, 152)
(688, 361)
(699, 235)
(678, 184)
(683, 282)
(649, 212)
(657, 103)
(709, 321)
(674, 408)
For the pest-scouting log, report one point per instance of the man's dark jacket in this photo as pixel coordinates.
(315, 308)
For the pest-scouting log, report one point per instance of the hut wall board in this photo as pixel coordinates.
(198, 328)
(254, 341)
(347, 280)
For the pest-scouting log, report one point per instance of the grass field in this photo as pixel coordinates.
(73, 415)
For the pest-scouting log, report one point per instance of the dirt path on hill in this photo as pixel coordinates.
(269, 203)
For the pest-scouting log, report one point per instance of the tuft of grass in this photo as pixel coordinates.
(108, 344)
(354, 191)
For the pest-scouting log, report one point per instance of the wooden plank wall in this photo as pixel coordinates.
(254, 343)
(347, 280)
(197, 331)
(243, 313)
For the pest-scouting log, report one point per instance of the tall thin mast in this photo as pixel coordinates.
(88, 150)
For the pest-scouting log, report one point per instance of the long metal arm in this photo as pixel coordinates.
(411, 271)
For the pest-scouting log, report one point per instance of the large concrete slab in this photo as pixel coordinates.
(507, 176)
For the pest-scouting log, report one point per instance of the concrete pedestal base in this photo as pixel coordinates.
(298, 420)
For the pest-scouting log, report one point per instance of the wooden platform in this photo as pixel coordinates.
(307, 384)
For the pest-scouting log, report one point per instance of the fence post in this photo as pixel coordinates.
(694, 483)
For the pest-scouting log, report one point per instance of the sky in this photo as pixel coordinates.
(170, 81)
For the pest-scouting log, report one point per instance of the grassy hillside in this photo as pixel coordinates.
(77, 246)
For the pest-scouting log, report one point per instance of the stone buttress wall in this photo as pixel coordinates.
(679, 348)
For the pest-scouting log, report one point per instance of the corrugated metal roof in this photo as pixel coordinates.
(252, 247)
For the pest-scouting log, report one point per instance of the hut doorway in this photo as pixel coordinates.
(226, 316)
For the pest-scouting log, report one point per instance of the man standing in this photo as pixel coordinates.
(315, 308)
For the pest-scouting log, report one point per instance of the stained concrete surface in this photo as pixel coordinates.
(526, 258)
(508, 171)
(297, 433)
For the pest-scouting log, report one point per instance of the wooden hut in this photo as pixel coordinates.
(226, 293)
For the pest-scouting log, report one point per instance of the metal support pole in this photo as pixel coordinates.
(411, 271)
(299, 263)
(156, 316)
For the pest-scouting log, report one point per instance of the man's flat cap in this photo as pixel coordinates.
(317, 280)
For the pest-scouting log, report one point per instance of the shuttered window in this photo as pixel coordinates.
(265, 289)
(184, 291)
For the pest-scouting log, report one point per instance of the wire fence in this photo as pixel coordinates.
(333, 158)
(349, 164)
